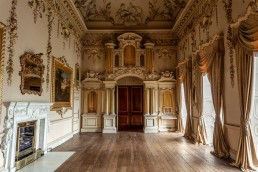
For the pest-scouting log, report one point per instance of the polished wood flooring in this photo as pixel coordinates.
(139, 152)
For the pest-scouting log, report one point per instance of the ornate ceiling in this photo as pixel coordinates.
(130, 14)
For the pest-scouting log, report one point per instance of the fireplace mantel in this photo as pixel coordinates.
(21, 112)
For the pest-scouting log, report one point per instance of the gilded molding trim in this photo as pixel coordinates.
(2, 56)
(12, 25)
(49, 46)
(228, 10)
(38, 7)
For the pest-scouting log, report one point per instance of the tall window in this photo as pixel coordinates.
(254, 116)
(142, 60)
(183, 108)
(116, 60)
(208, 109)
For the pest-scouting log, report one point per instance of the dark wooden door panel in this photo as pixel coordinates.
(130, 105)
(136, 99)
(123, 99)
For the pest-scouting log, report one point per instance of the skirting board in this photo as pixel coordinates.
(60, 141)
(91, 130)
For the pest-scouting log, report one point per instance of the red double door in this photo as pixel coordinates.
(130, 108)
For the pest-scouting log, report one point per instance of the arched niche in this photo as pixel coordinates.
(92, 102)
(129, 55)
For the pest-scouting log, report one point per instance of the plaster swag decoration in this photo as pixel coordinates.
(12, 26)
(50, 18)
(209, 59)
(38, 7)
(228, 9)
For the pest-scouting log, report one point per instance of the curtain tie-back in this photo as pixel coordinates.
(246, 127)
(200, 119)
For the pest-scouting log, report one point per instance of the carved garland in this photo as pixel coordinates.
(38, 7)
(49, 47)
(228, 8)
(12, 24)
(2, 54)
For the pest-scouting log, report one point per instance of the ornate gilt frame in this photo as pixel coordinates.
(63, 65)
(2, 54)
(36, 60)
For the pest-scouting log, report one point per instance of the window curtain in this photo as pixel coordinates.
(188, 99)
(201, 135)
(180, 126)
(210, 59)
(245, 45)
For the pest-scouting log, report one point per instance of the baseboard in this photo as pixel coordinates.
(60, 141)
(91, 130)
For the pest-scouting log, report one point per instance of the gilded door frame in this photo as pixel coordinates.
(2, 54)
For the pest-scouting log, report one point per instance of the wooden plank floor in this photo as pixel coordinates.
(139, 152)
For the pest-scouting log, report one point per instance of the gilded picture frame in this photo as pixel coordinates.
(2, 54)
(62, 83)
(77, 76)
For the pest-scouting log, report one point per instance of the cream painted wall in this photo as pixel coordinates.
(33, 38)
(231, 101)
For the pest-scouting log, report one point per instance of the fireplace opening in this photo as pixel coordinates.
(25, 147)
(25, 139)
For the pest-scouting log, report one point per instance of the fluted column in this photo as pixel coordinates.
(107, 102)
(147, 101)
(149, 56)
(85, 100)
(109, 57)
(112, 101)
(156, 102)
(99, 104)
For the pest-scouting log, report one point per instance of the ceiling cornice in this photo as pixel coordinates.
(69, 15)
(192, 15)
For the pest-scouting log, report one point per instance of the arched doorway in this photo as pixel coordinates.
(130, 104)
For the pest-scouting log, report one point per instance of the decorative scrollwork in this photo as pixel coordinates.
(38, 8)
(13, 26)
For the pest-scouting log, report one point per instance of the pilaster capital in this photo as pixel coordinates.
(110, 84)
(110, 45)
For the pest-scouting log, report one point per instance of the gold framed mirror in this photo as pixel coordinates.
(32, 70)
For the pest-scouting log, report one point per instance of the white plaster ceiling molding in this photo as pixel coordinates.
(133, 14)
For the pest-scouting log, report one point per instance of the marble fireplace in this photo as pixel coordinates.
(25, 133)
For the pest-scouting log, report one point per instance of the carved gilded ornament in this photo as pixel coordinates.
(12, 32)
(50, 17)
(38, 7)
(228, 9)
(2, 57)
(32, 70)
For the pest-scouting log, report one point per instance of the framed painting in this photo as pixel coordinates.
(61, 84)
(77, 77)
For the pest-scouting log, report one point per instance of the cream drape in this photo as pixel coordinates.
(201, 135)
(210, 60)
(245, 45)
(180, 126)
(215, 75)
(188, 99)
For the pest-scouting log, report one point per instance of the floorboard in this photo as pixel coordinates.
(139, 152)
